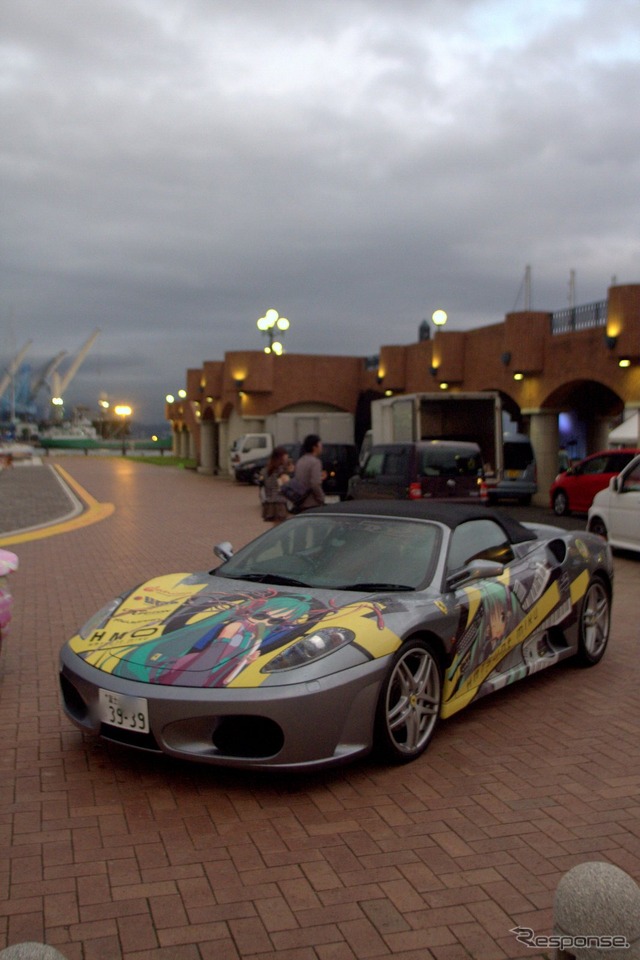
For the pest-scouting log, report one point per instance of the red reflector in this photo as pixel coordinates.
(484, 493)
(415, 491)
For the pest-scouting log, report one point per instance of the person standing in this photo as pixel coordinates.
(309, 472)
(277, 472)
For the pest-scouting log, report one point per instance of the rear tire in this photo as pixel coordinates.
(560, 504)
(409, 703)
(595, 622)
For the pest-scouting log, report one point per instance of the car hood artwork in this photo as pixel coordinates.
(184, 630)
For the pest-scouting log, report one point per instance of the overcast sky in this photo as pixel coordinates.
(173, 168)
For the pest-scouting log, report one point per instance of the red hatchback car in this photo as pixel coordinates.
(573, 490)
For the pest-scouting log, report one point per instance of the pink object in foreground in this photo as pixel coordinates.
(8, 563)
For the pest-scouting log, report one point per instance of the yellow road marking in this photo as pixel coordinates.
(94, 512)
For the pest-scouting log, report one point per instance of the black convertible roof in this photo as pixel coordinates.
(449, 514)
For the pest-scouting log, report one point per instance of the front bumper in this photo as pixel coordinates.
(315, 723)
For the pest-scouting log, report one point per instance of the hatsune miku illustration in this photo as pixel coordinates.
(216, 636)
(492, 621)
(208, 640)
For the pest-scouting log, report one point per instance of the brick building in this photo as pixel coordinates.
(565, 378)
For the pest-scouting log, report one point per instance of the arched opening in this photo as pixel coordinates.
(587, 410)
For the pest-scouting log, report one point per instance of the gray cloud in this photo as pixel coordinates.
(172, 168)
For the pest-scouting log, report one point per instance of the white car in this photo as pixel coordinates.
(615, 512)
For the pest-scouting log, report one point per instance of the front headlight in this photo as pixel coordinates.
(98, 620)
(310, 648)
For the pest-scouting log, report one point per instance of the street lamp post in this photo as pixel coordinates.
(274, 327)
(124, 411)
(438, 318)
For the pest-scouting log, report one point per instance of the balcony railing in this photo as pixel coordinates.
(579, 318)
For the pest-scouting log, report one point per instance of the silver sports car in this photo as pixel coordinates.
(347, 628)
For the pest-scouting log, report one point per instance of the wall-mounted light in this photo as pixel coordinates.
(624, 362)
(518, 376)
(380, 378)
(610, 341)
(444, 386)
(433, 369)
(388, 393)
(239, 382)
(505, 358)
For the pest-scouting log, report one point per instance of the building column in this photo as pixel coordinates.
(207, 464)
(629, 411)
(223, 447)
(544, 436)
(184, 445)
(598, 434)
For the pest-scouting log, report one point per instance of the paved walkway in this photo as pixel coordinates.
(110, 855)
(32, 494)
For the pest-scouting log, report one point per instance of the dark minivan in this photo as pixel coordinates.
(429, 469)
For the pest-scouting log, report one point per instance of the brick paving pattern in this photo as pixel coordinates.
(107, 854)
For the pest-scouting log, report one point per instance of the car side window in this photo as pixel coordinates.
(373, 466)
(618, 461)
(631, 483)
(478, 540)
(595, 465)
(395, 463)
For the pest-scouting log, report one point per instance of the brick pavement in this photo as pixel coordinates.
(110, 855)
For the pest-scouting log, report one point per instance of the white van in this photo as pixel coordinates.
(250, 446)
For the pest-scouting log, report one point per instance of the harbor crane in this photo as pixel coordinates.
(8, 377)
(58, 383)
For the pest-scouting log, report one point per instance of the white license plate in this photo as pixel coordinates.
(332, 499)
(130, 713)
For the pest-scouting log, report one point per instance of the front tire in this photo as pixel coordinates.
(595, 621)
(560, 504)
(409, 702)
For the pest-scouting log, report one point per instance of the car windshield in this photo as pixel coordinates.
(341, 552)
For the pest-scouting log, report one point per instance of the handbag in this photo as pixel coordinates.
(294, 491)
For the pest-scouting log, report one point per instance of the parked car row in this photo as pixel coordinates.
(453, 471)
(573, 489)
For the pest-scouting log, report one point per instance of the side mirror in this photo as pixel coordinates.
(223, 550)
(614, 484)
(476, 570)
